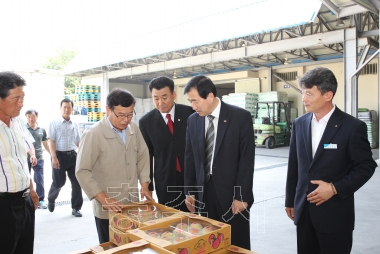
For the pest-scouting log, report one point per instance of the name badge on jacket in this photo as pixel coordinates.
(330, 146)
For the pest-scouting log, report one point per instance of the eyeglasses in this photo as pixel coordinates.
(129, 117)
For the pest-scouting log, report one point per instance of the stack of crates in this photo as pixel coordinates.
(88, 96)
(242, 100)
(73, 97)
(371, 119)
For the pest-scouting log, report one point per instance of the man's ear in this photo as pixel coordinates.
(329, 96)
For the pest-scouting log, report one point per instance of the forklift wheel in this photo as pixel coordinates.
(269, 143)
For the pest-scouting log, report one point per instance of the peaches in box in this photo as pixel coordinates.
(135, 215)
(193, 234)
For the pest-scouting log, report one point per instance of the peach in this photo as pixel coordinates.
(154, 234)
(167, 235)
(196, 225)
(207, 229)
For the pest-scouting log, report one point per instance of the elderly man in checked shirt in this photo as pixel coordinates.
(18, 199)
(64, 136)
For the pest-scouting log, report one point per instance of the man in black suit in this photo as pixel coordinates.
(164, 131)
(329, 159)
(219, 159)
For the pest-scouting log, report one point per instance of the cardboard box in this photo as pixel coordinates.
(232, 249)
(95, 249)
(218, 235)
(120, 238)
(142, 214)
(138, 246)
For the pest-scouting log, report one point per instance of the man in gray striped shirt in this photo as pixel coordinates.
(64, 136)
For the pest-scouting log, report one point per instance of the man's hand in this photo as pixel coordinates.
(33, 160)
(34, 197)
(190, 203)
(290, 212)
(238, 206)
(145, 192)
(55, 162)
(108, 203)
(321, 194)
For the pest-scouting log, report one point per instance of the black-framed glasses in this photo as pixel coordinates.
(129, 116)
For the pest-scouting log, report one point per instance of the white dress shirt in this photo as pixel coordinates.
(171, 112)
(318, 128)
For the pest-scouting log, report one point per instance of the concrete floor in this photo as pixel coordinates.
(271, 230)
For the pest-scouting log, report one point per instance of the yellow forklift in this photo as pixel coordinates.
(272, 127)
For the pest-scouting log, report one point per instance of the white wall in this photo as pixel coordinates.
(44, 91)
(136, 89)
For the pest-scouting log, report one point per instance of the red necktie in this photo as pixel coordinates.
(171, 129)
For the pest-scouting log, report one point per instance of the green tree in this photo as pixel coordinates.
(59, 62)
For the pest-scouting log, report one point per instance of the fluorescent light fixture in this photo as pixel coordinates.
(339, 22)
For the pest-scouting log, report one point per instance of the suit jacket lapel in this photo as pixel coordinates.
(222, 126)
(160, 123)
(307, 136)
(200, 125)
(333, 125)
(177, 120)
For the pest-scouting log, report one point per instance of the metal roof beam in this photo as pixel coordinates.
(331, 6)
(368, 6)
(243, 52)
(351, 10)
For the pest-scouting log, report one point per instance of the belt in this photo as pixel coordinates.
(65, 152)
(20, 194)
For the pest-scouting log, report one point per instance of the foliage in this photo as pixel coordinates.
(59, 62)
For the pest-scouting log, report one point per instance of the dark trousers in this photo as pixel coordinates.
(172, 195)
(310, 241)
(39, 178)
(103, 230)
(240, 231)
(16, 225)
(67, 162)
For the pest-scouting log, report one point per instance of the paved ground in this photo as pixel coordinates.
(271, 230)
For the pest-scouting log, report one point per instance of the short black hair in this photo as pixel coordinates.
(30, 111)
(67, 100)
(9, 81)
(120, 97)
(203, 84)
(323, 78)
(161, 82)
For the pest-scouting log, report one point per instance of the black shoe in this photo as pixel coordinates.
(51, 207)
(76, 213)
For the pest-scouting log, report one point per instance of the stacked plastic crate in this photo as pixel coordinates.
(89, 98)
(371, 119)
(242, 100)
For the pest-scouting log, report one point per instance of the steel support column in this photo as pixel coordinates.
(350, 60)
(105, 90)
(378, 96)
(270, 72)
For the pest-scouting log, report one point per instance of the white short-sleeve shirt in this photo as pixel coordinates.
(15, 143)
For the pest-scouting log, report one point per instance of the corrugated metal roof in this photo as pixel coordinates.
(239, 18)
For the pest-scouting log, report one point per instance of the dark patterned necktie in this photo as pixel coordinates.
(209, 144)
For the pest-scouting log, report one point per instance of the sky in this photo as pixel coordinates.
(34, 30)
